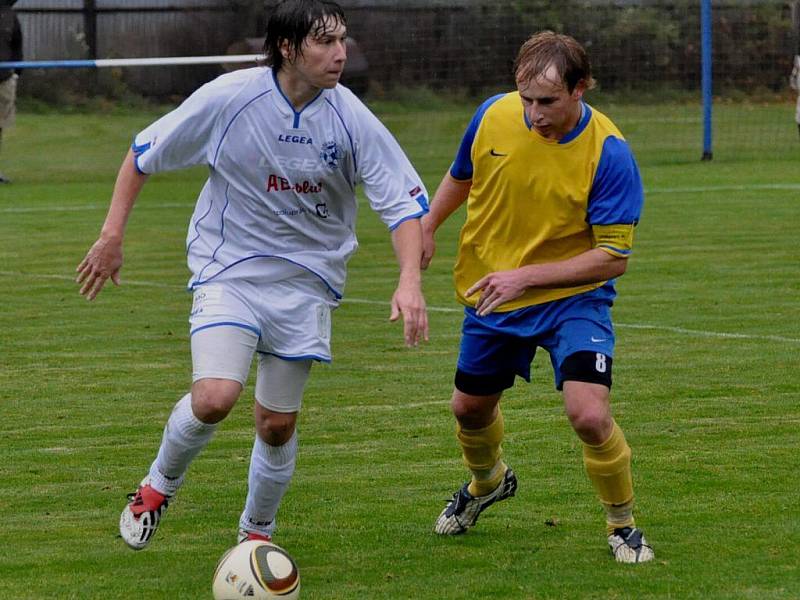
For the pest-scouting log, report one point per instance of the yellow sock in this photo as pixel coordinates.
(609, 468)
(482, 451)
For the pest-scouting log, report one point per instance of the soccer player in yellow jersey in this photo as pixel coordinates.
(553, 194)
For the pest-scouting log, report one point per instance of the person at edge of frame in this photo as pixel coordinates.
(553, 195)
(10, 50)
(268, 244)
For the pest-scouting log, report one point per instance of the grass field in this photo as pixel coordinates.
(706, 388)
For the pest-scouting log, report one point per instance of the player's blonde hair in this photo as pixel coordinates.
(563, 52)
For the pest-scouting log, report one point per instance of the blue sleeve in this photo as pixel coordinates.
(462, 166)
(617, 195)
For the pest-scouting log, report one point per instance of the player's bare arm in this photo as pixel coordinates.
(450, 194)
(500, 287)
(103, 261)
(408, 299)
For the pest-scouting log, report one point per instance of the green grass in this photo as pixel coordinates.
(705, 388)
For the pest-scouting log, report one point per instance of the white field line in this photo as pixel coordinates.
(725, 188)
(188, 205)
(90, 207)
(444, 309)
(68, 278)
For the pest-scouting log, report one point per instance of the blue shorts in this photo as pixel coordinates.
(503, 343)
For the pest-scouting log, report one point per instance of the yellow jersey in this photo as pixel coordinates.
(534, 200)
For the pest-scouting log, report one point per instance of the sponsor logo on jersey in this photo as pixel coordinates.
(330, 154)
(415, 191)
(320, 209)
(276, 183)
(294, 139)
(293, 163)
(289, 212)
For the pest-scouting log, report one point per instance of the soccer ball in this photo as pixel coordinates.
(256, 570)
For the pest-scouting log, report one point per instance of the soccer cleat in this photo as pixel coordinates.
(629, 546)
(463, 510)
(140, 518)
(247, 536)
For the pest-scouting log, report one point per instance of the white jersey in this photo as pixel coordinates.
(281, 183)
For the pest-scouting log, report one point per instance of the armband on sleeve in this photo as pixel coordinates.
(617, 240)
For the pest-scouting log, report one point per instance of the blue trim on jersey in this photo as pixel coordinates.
(325, 359)
(336, 293)
(614, 249)
(138, 151)
(230, 123)
(228, 323)
(408, 218)
(221, 232)
(296, 123)
(617, 194)
(583, 121)
(138, 168)
(347, 131)
(461, 168)
(197, 223)
(422, 200)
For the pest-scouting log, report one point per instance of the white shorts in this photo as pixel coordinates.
(226, 353)
(8, 98)
(286, 321)
(291, 317)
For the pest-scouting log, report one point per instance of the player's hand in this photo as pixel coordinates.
(497, 289)
(102, 262)
(428, 244)
(409, 302)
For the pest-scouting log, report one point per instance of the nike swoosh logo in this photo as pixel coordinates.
(598, 340)
(493, 153)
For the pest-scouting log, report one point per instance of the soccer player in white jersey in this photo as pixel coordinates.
(267, 245)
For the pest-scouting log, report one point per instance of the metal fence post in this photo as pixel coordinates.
(90, 27)
(707, 81)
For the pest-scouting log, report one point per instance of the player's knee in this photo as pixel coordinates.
(213, 399)
(592, 423)
(474, 410)
(273, 427)
(464, 407)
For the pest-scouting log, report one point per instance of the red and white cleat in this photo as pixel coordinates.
(140, 518)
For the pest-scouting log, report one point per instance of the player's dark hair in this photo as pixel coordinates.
(547, 48)
(293, 20)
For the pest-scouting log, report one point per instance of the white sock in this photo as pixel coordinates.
(184, 437)
(271, 470)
